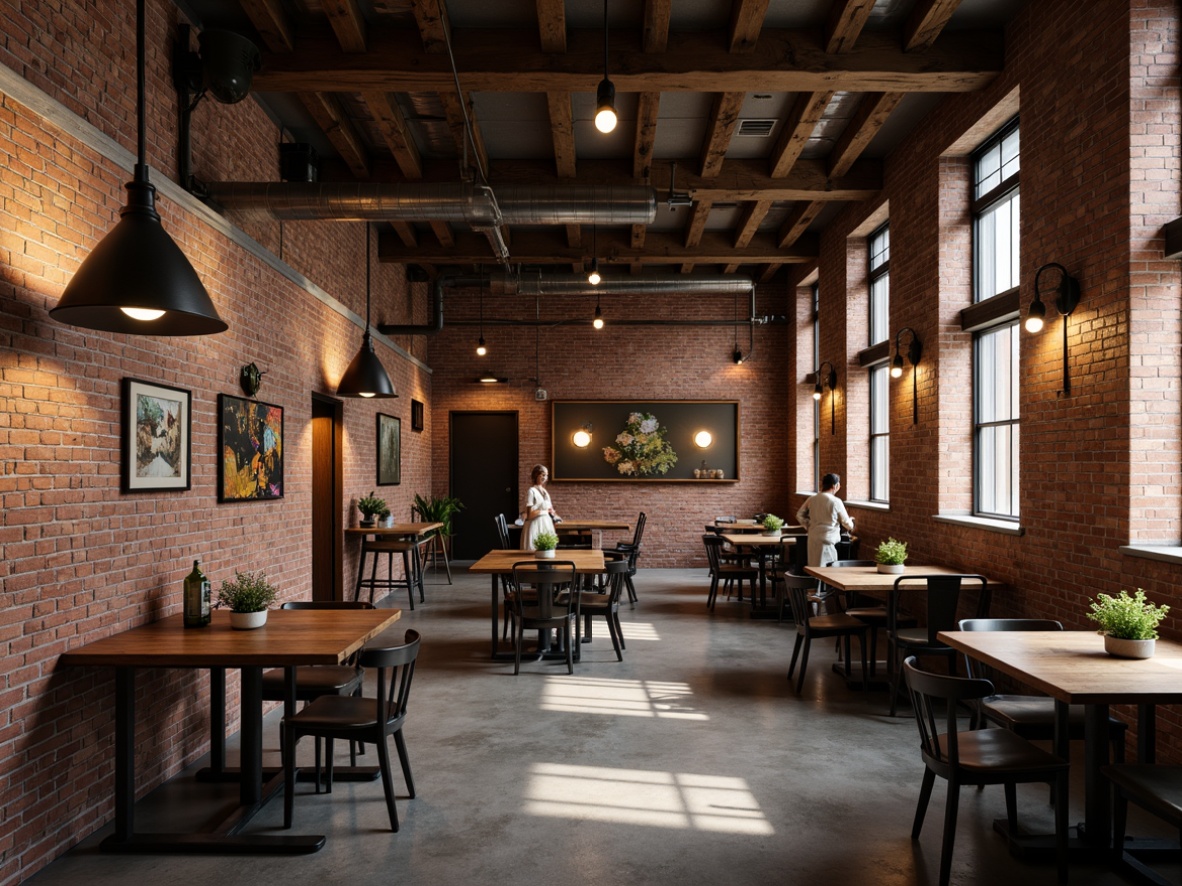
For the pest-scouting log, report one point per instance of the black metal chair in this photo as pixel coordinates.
(942, 594)
(976, 757)
(809, 626)
(1156, 789)
(1032, 716)
(502, 526)
(631, 552)
(361, 719)
(607, 604)
(726, 574)
(553, 603)
(869, 610)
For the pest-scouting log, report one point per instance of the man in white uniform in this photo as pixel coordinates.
(823, 515)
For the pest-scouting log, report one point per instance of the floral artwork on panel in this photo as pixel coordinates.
(251, 450)
(641, 450)
(156, 437)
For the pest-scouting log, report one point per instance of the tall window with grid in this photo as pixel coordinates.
(995, 350)
(880, 284)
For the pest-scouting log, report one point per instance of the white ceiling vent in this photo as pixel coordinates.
(756, 128)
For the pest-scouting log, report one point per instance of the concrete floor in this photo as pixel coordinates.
(690, 762)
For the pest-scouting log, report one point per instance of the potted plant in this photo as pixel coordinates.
(772, 524)
(1129, 624)
(544, 545)
(890, 556)
(438, 509)
(247, 597)
(384, 518)
(370, 506)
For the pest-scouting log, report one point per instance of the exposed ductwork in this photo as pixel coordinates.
(574, 284)
(469, 203)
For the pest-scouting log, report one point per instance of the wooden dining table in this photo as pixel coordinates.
(498, 563)
(1073, 668)
(290, 638)
(761, 545)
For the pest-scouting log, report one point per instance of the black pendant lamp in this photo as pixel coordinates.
(137, 280)
(366, 376)
(605, 95)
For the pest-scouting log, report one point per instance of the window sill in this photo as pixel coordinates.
(869, 505)
(1005, 527)
(1164, 553)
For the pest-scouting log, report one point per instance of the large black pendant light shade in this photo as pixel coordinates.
(366, 376)
(137, 280)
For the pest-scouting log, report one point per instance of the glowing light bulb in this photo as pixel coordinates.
(143, 313)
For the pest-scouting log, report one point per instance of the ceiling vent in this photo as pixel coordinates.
(756, 128)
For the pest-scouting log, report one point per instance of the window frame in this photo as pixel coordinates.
(981, 204)
(880, 374)
(876, 272)
(980, 426)
(816, 311)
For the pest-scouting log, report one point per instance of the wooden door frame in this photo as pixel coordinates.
(337, 528)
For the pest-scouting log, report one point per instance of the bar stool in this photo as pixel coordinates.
(411, 568)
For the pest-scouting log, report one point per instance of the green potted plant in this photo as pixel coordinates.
(890, 556)
(1129, 624)
(544, 545)
(370, 506)
(772, 524)
(438, 509)
(247, 597)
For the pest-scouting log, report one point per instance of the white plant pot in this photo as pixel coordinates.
(890, 568)
(248, 621)
(1123, 648)
(772, 533)
(544, 555)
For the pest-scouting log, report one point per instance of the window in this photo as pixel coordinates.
(995, 350)
(996, 422)
(816, 403)
(995, 214)
(880, 284)
(880, 433)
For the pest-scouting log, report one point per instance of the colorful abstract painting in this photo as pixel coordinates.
(250, 446)
(156, 437)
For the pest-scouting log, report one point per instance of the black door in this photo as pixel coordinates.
(483, 477)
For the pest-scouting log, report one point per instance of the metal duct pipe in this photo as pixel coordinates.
(469, 203)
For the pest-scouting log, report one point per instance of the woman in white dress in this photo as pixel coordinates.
(539, 512)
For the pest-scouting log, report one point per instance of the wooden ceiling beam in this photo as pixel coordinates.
(655, 33)
(797, 222)
(749, 221)
(406, 233)
(434, 27)
(271, 22)
(501, 60)
(333, 121)
(455, 121)
(746, 23)
(797, 130)
(846, 20)
(697, 223)
(724, 117)
(768, 272)
(647, 108)
(562, 133)
(443, 233)
(392, 125)
(872, 113)
(552, 25)
(926, 22)
(535, 247)
(348, 23)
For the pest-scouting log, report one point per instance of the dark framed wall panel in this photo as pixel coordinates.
(677, 424)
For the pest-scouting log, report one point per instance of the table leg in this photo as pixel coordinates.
(1098, 802)
(494, 607)
(1146, 733)
(217, 721)
(124, 754)
(250, 788)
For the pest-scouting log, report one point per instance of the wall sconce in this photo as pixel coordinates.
(582, 437)
(829, 380)
(1067, 297)
(703, 439)
(914, 351)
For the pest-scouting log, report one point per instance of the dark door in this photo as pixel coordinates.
(327, 480)
(483, 477)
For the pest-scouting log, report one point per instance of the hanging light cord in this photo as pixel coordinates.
(605, 77)
(367, 280)
(141, 164)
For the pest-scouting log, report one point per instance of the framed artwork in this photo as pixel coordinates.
(416, 415)
(157, 437)
(389, 450)
(687, 441)
(250, 450)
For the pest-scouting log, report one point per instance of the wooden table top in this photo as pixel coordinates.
(1073, 667)
(400, 529)
(752, 540)
(868, 578)
(500, 562)
(290, 637)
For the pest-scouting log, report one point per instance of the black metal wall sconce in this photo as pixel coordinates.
(829, 380)
(1066, 298)
(914, 352)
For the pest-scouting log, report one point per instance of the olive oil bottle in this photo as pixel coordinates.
(197, 598)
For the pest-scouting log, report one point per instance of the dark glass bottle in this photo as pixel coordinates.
(197, 602)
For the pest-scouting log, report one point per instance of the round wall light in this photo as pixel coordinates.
(703, 439)
(581, 438)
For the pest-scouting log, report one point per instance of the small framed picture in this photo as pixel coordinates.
(157, 437)
(416, 415)
(389, 450)
(250, 450)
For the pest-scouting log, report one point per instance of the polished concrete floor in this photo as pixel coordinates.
(690, 762)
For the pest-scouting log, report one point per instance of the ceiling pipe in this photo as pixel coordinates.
(465, 202)
(576, 284)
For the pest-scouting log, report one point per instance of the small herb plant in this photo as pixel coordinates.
(546, 541)
(891, 552)
(772, 522)
(371, 506)
(248, 592)
(1127, 618)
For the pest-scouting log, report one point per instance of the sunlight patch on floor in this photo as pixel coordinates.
(640, 797)
(620, 698)
(642, 630)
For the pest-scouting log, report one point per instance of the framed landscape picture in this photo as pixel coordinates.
(389, 450)
(250, 450)
(156, 437)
